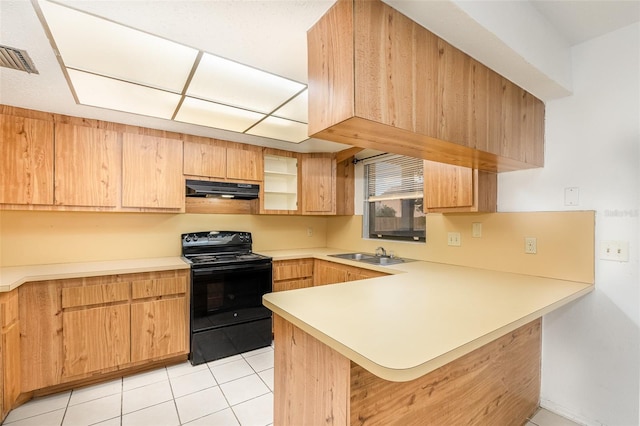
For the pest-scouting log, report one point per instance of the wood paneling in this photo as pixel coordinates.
(26, 160)
(412, 93)
(331, 68)
(152, 172)
(40, 334)
(158, 287)
(87, 166)
(497, 384)
(244, 162)
(95, 339)
(311, 381)
(318, 184)
(208, 159)
(158, 328)
(94, 294)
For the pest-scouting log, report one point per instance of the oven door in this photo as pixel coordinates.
(231, 294)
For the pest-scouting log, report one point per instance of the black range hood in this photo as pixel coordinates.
(204, 188)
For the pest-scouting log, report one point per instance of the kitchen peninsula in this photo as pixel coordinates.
(429, 344)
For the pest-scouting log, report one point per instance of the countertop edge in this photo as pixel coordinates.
(35, 273)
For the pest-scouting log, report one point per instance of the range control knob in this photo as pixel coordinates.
(195, 237)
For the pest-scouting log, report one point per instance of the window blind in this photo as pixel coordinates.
(394, 177)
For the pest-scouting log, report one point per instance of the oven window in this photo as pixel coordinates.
(215, 292)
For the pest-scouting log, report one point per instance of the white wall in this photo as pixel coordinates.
(591, 353)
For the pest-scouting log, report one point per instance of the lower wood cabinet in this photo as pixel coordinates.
(78, 328)
(9, 351)
(292, 274)
(331, 273)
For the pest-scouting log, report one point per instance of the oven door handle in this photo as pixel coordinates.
(244, 268)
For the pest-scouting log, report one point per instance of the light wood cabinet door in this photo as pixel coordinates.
(292, 269)
(152, 172)
(356, 274)
(95, 339)
(87, 166)
(9, 351)
(244, 163)
(449, 188)
(329, 273)
(318, 184)
(205, 159)
(158, 328)
(26, 160)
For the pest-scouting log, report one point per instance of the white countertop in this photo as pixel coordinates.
(12, 277)
(405, 325)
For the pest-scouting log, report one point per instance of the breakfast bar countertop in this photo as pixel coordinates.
(423, 316)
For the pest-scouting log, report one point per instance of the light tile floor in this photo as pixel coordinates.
(233, 391)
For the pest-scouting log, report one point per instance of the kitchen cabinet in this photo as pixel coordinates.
(216, 159)
(292, 274)
(318, 173)
(325, 272)
(95, 316)
(244, 162)
(364, 61)
(152, 172)
(26, 160)
(281, 184)
(9, 352)
(87, 166)
(73, 329)
(205, 157)
(449, 188)
(159, 318)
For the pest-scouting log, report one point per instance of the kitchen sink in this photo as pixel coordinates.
(371, 259)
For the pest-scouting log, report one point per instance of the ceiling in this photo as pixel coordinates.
(266, 34)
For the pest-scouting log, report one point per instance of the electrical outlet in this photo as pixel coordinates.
(530, 245)
(453, 239)
(614, 250)
(476, 230)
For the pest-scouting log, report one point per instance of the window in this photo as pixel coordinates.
(393, 201)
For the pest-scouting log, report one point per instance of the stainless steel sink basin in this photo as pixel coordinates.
(371, 259)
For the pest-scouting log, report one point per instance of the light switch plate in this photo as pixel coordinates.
(572, 196)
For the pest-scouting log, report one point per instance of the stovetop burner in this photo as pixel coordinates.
(211, 248)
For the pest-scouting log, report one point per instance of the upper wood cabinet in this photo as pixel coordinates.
(215, 159)
(26, 160)
(379, 80)
(87, 166)
(152, 172)
(318, 175)
(449, 188)
(205, 159)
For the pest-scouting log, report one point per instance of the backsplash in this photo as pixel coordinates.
(35, 237)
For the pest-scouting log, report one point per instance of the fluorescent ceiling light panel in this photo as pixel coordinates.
(279, 128)
(108, 93)
(227, 82)
(196, 111)
(93, 44)
(296, 109)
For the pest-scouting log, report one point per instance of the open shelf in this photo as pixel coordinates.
(280, 183)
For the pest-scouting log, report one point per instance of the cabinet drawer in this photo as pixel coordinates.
(94, 294)
(158, 287)
(291, 269)
(292, 284)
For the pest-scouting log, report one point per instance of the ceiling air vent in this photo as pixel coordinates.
(16, 59)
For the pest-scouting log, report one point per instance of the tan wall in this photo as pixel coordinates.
(565, 242)
(31, 237)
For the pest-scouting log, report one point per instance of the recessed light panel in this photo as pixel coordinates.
(279, 128)
(296, 109)
(227, 82)
(196, 111)
(108, 93)
(93, 44)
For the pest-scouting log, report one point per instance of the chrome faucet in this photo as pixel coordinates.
(380, 251)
